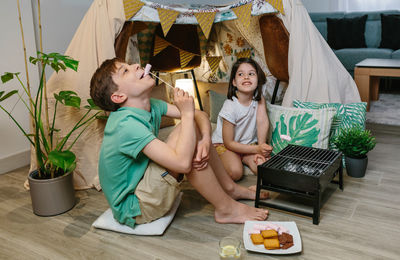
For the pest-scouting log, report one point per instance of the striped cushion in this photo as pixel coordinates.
(347, 115)
(306, 127)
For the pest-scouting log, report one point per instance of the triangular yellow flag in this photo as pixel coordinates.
(213, 62)
(131, 7)
(243, 54)
(167, 19)
(185, 57)
(277, 4)
(159, 45)
(243, 13)
(205, 21)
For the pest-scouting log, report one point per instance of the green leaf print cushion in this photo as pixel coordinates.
(305, 127)
(347, 115)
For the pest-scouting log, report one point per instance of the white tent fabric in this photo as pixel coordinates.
(315, 72)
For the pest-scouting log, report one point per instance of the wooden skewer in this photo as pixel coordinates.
(161, 80)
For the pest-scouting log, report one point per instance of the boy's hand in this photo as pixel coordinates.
(265, 150)
(202, 155)
(183, 102)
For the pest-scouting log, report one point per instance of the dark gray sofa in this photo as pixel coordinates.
(351, 56)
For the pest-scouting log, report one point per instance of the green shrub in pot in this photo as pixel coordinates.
(355, 142)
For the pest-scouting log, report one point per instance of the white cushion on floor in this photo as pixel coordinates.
(156, 227)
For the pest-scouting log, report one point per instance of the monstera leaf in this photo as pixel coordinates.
(301, 130)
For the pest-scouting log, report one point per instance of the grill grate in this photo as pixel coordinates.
(301, 171)
(303, 160)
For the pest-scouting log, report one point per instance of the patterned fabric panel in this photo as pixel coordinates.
(347, 115)
(305, 127)
(145, 40)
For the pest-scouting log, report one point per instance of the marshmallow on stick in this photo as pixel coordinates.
(147, 70)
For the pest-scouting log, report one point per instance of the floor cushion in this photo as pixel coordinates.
(156, 227)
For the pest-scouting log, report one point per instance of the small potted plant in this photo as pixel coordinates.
(355, 143)
(51, 184)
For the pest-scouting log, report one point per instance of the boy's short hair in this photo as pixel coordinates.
(102, 85)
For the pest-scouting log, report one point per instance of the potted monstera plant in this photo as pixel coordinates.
(51, 184)
(355, 143)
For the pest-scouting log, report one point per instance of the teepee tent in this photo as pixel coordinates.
(315, 72)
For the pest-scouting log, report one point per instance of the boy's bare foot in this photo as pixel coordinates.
(239, 213)
(249, 193)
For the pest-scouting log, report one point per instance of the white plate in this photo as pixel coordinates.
(290, 225)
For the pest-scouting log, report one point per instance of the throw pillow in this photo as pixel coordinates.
(161, 92)
(216, 102)
(390, 37)
(305, 127)
(346, 32)
(347, 115)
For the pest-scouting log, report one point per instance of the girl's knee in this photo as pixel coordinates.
(236, 173)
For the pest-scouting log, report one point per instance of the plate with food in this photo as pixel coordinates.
(272, 237)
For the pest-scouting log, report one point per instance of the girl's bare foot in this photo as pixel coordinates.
(238, 213)
(249, 193)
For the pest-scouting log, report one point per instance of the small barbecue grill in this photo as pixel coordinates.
(300, 171)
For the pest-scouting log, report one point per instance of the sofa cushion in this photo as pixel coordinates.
(216, 102)
(372, 27)
(351, 56)
(306, 127)
(347, 116)
(319, 20)
(346, 32)
(396, 54)
(390, 31)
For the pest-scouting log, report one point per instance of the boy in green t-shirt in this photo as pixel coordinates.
(140, 175)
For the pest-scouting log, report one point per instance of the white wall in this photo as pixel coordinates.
(60, 19)
(322, 5)
(350, 5)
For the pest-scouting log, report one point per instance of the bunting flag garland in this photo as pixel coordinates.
(185, 57)
(159, 45)
(277, 4)
(213, 62)
(205, 21)
(167, 19)
(131, 7)
(243, 54)
(243, 13)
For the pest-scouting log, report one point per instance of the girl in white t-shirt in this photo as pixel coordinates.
(242, 125)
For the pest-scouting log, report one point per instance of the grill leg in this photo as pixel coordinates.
(317, 207)
(258, 190)
(341, 176)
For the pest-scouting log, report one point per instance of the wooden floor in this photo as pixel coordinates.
(362, 222)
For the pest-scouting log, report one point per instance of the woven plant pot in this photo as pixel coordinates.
(51, 196)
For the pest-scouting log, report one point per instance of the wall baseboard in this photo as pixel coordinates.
(15, 161)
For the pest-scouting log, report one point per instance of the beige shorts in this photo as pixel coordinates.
(156, 192)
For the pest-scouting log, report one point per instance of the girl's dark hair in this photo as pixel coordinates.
(260, 76)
